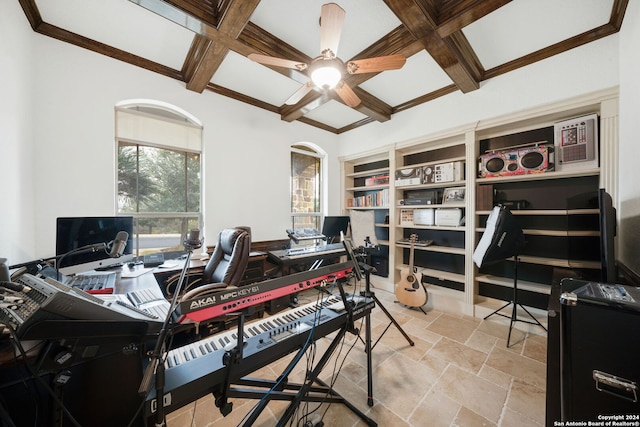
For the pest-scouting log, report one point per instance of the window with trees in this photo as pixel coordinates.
(159, 178)
(306, 167)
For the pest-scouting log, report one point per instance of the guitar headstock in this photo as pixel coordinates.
(413, 238)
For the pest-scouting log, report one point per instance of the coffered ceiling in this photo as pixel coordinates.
(450, 45)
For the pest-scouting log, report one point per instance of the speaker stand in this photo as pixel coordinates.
(514, 312)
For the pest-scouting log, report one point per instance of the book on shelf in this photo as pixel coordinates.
(372, 199)
(376, 180)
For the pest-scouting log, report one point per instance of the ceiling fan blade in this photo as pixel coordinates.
(277, 62)
(374, 65)
(331, 19)
(347, 94)
(299, 94)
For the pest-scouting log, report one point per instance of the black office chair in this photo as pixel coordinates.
(226, 266)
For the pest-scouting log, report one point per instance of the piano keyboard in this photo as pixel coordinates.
(227, 339)
(197, 369)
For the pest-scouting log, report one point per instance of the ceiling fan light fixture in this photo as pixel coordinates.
(326, 73)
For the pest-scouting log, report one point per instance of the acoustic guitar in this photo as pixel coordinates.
(410, 290)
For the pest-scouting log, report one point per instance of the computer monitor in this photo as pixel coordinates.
(73, 233)
(606, 224)
(333, 225)
(607, 211)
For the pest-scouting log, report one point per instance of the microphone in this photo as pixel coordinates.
(15, 287)
(119, 244)
(193, 240)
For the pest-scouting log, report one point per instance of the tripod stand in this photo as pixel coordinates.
(367, 343)
(514, 301)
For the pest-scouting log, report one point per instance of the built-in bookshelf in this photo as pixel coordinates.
(366, 183)
(450, 208)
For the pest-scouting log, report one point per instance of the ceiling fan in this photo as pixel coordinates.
(327, 71)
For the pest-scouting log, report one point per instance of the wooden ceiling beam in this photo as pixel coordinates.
(456, 15)
(372, 106)
(231, 24)
(39, 26)
(451, 55)
(266, 43)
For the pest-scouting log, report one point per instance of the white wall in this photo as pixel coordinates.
(17, 241)
(629, 190)
(71, 120)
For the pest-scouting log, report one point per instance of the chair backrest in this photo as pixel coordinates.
(229, 259)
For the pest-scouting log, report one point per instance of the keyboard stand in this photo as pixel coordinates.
(268, 390)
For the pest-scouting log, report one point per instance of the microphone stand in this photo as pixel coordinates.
(156, 365)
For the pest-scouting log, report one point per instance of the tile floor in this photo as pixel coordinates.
(458, 373)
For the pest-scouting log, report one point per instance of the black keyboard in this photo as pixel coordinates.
(93, 282)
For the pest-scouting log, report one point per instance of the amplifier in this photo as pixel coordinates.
(517, 161)
(423, 217)
(448, 217)
(443, 172)
(409, 176)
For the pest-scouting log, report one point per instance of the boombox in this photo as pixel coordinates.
(517, 161)
(443, 172)
(409, 176)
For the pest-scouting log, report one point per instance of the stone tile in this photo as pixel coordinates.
(473, 392)
(511, 418)
(529, 370)
(383, 416)
(417, 328)
(536, 348)
(468, 418)
(436, 409)
(402, 373)
(453, 327)
(495, 376)
(527, 400)
(481, 341)
(458, 354)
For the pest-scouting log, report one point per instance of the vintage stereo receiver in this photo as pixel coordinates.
(448, 217)
(576, 142)
(443, 172)
(409, 176)
(420, 197)
(423, 217)
(414, 201)
(517, 161)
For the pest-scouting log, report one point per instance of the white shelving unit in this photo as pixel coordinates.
(454, 282)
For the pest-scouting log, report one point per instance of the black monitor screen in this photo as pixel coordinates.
(333, 225)
(76, 232)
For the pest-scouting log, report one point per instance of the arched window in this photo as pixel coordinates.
(306, 186)
(159, 173)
